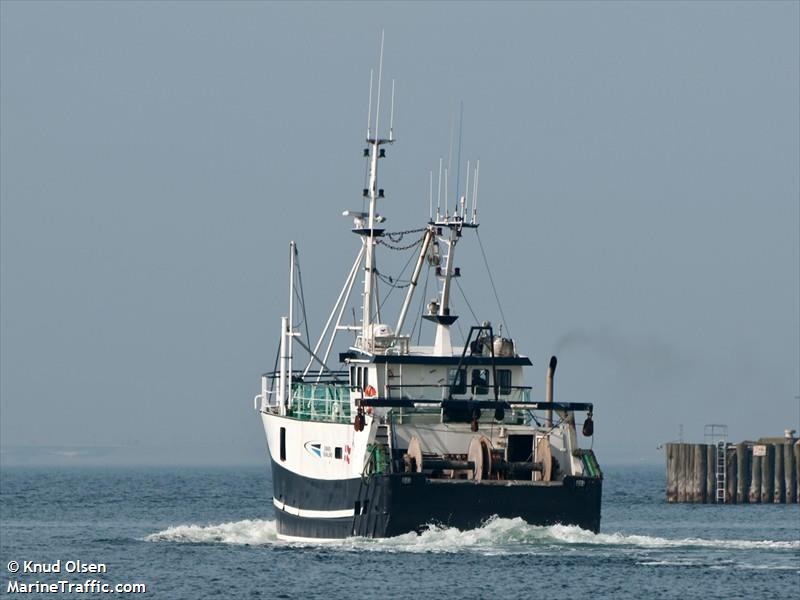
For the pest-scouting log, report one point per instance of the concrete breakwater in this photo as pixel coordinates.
(744, 473)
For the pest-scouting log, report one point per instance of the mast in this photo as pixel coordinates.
(442, 344)
(448, 229)
(282, 380)
(369, 238)
(370, 233)
(289, 366)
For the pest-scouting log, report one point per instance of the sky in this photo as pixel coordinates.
(639, 205)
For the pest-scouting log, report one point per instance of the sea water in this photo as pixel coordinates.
(189, 533)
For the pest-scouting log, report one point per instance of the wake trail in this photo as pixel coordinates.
(497, 535)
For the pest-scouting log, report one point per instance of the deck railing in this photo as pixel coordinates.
(328, 402)
(512, 395)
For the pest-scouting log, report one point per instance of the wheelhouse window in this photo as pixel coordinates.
(504, 381)
(457, 380)
(480, 381)
(359, 377)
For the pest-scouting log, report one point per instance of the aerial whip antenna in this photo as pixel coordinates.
(465, 197)
(475, 192)
(378, 103)
(445, 193)
(439, 193)
(466, 192)
(460, 132)
(369, 110)
(449, 168)
(391, 116)
(430, 198)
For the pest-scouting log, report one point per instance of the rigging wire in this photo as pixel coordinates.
(302, 294)
(491, 280)
(377, 295)
(302, 318)
(274, 369)
(396, 281)
(394, 284)
(421, 307)
(460, 289)
(458, 325)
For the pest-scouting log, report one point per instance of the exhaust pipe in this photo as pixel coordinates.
(548, 390)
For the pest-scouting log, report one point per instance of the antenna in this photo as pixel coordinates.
(449, 168)
(369, 111)
(430, 198)
(391, 116)
(460, 132)
(445, 193)
(475, 192)
(378, 103)
(465, 197)
(439, 193)
(473, 199)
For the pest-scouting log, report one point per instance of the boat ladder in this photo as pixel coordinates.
(385, 437)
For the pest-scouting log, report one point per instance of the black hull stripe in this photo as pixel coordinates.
(312, 528)
(308, 493)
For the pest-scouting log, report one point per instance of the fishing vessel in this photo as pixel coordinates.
(397, 436)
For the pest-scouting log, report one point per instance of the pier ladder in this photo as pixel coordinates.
(717, 435)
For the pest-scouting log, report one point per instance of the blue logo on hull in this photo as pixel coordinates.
(314, 448)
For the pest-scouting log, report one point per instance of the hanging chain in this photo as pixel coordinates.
(400, 248)
(397, 236)
(388, 280)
